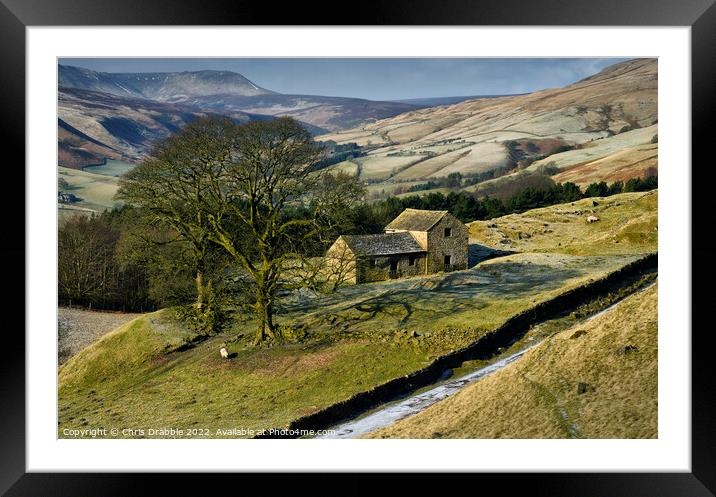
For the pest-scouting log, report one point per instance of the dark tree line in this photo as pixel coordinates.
(338, 153)
(370, 218)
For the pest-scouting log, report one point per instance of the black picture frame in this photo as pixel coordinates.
(700, 15)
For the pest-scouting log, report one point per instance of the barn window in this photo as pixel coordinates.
(371, 263)
(448, 232)
(448, 260)
(411, 260)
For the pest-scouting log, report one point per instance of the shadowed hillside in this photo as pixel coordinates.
(94, 126)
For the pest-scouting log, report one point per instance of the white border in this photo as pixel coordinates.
(671, 452)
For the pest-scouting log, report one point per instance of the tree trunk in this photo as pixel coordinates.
(264, 313)
(200, 291)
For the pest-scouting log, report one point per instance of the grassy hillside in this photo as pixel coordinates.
(132, 379)
(596, 380)
(141, 376)
(627, 225)
(79, 328)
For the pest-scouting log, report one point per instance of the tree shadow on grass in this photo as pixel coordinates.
(455, 292)
(476, 253)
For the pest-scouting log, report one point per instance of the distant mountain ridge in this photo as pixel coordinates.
(436, 101)
(120, 115)
(225, 92)
(161, 86)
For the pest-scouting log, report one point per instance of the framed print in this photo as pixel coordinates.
(434, 240)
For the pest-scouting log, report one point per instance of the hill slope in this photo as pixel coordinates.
(596, 380)
(327, 113)
(628, 224)
(475, 136)
(227, 92)
(147, 373)
(94, 126)
(119, 115)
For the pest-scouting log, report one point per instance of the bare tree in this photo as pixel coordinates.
(87, 270)
(173, 185)
(271, 171)
(250, 189)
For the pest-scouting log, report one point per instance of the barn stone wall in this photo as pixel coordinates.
(382, 271)
(455, 245)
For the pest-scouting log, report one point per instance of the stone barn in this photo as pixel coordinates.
(417, 242)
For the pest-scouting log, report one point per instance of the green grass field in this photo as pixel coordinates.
(112, 167)
(140, 376)
(361, 337)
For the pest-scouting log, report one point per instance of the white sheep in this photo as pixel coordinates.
(592, 219)
(224, 353)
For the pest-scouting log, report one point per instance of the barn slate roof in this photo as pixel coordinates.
(416, 220)
(382, 244)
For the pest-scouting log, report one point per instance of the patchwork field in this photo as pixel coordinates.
(632, 162)
(595, 380)
(382, 166)
(431, 166)
(480, 158)
(600, 148)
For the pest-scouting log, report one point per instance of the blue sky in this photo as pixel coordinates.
(378, 78)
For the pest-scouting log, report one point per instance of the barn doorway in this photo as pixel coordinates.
(393, 269)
